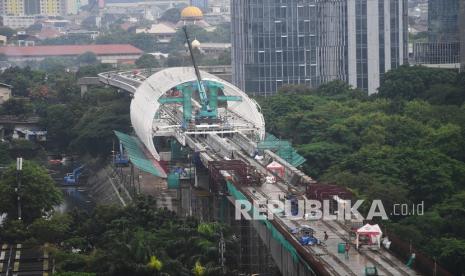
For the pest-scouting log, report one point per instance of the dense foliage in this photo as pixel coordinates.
(147, 61)
(405, 145)
(136, 240)
(75, 123)
(38, 192)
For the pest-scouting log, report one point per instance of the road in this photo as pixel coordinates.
(17, 260)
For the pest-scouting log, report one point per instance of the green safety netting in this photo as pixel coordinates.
(173, 181)
(136, 155)
(178, 152)
(274, 232)
(282, 148)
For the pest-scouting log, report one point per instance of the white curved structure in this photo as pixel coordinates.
(145, 103)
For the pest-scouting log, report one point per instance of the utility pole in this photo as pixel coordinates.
(222, 248)
(19, 168)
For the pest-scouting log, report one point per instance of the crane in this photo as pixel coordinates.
(206, 110)
(208, 103)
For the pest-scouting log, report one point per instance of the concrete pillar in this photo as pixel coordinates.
(83, 90)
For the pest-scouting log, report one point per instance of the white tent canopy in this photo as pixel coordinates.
(274, 165)
(373, 231)
(276, 168)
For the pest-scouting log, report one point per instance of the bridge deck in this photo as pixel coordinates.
(327, 252)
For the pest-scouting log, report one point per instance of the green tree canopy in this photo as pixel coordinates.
(55, 64)
(147, 61)
(38, 192)
(418, 82)
(87, 58)
(94, 131)
(17, 107)
(6, 31)
(404, 145)
(59, 120)
(172, 15)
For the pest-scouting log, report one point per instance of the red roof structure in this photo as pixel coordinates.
(69, 50)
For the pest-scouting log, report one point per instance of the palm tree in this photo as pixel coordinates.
(198, 269)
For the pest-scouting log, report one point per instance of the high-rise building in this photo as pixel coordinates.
(462, 35)
(31, 7)
(34, 7)
(315, 41)
(52, 7)
(443, 20)
(2, 7)
(71, 6)
(443, 45)
(14, 7)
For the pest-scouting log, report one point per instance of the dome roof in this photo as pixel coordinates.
(195, 43)
(191, 12)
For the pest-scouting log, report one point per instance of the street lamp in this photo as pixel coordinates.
(19, 168)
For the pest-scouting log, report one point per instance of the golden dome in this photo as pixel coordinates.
(195, 43)
(191, 12)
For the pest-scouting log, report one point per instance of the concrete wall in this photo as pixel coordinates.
(5, 94)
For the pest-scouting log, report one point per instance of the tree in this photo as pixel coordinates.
(38, 192)
(450, 252)
(143, 240)
(4, 154)
(93, 70)
(172, 15)
(94, 131)
(147, 61)
(222, 34)
(145, 42)
(178, 42)
(52, 230)
(6, 31)
(321, 155)
(87, 58)
(17, 107)
(68, 40)
(55, 64)
(225, 58)
(59, 121)
(22, 79)
(24, 148)
(198, 269)
(36, 27)
(410, 82)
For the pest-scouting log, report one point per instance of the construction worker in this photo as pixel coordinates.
(347, 248)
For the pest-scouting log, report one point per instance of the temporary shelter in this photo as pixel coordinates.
(276, 168)
(372, 231)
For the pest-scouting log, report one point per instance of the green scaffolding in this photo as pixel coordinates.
(178, 152)
(173, 180)
(282, 148)
(136, 155)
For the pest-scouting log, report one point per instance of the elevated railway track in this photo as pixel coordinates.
(234, 137)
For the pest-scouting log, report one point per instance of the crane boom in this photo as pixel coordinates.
(202, 92)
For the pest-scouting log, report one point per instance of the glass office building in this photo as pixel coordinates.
(278, 42)
(443, 46)
(443, 20)
(462, 36)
